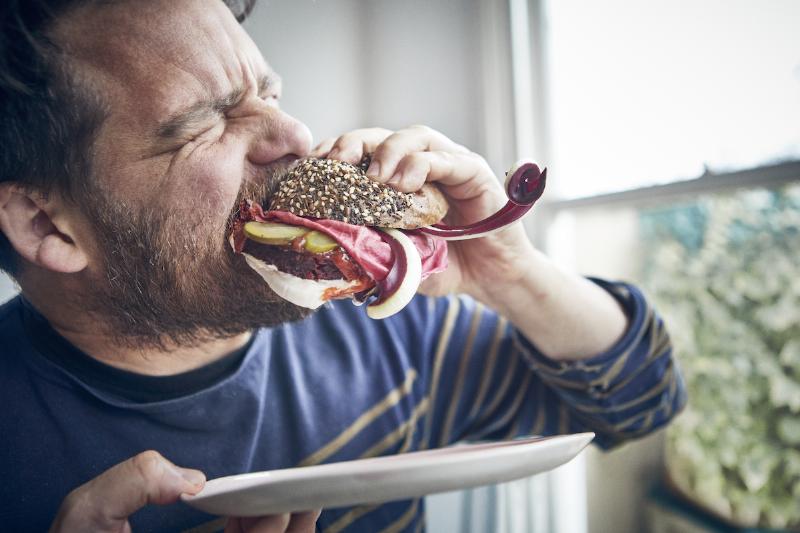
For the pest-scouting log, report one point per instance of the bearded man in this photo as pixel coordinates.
(142, 355)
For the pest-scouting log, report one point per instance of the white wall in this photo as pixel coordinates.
(317, 48)
(364, 63)
(424, 66)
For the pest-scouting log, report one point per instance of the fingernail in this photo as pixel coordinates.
(374, 169)
(195, 477)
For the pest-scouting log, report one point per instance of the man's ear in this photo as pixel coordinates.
(39, 231)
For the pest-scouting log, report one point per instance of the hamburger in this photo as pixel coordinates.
(329, 232)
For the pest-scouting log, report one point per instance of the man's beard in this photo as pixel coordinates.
(170, 278)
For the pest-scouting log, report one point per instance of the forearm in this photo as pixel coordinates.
(622, 393)
(567, 316)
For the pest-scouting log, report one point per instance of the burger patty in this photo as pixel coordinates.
(304, 265)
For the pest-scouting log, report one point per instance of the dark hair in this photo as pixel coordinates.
(48, 118)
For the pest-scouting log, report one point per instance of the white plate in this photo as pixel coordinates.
(382, 479)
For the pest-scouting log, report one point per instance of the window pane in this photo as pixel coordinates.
(723, 271)
(653, 91)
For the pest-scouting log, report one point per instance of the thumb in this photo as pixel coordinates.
(106, 502)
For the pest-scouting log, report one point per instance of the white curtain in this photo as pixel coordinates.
(554, 502)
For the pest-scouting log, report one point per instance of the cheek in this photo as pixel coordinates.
(210, 184)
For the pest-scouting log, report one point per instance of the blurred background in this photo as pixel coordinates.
(671, 130)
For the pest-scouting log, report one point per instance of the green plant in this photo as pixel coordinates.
(725, 273)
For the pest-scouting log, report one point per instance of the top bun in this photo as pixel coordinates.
(332, 189)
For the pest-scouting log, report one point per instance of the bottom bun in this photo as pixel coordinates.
(303, 292)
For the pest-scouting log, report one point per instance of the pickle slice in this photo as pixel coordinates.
(318, 243)
(273, 232)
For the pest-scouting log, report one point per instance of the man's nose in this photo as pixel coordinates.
(280, 135)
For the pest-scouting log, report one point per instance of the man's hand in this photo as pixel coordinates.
(405, 160)
(570, 317)
(105, 503)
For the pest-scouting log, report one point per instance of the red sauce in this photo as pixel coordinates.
(332, 292)
(351, 272)
(299, 243)
(349, 269)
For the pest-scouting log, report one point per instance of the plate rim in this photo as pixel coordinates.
(385, 464)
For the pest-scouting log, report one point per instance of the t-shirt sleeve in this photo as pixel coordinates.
(488, 382)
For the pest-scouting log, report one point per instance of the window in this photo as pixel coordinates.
(723, 270)
(655, 91)
(673, 146)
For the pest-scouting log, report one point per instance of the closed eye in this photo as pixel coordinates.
(199, 117)
(270, 87)
(270, 97)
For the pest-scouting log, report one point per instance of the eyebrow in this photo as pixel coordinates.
(185, 121)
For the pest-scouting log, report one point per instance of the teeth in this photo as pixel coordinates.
(400, 298)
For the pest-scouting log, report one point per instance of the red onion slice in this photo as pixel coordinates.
(389, 285)
(524, 186)
(397, 289)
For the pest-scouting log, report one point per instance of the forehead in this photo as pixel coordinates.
(149, 57)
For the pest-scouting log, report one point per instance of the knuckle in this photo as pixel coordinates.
(413, 161)
(349, 137)
(326, 142)
(148, 464)
(378, 132)
(349, 143)
(339, 143)
(448, 157)
(415, 158)
(422, 128)
(472, 155)
(396, 142)
(479, 160)
(75, 499)
(450, 161)
(78, 504)
(383, 148)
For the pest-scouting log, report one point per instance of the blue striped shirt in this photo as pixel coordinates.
(334, 387)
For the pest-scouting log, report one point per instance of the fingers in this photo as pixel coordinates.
(406, 159)
(104, 503)
(280, 523)
(303, 522)
(465, 176)
(352, 146)
(323, 148)
(391, 151)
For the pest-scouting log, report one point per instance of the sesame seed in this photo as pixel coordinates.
(343, 192)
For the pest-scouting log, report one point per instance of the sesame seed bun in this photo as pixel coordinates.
(332, 189)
